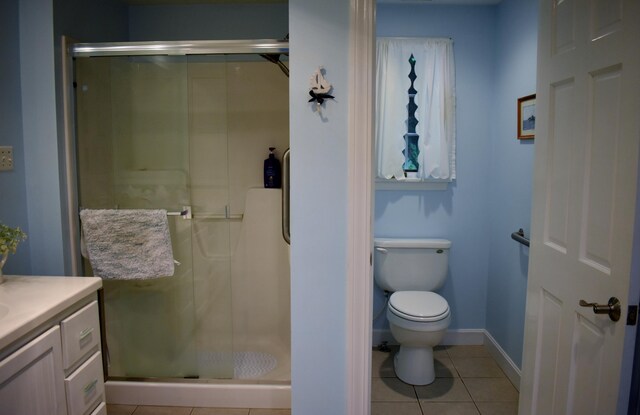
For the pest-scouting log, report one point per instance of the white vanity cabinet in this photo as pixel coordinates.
(82, 361)
(32, 380)
(53, 366)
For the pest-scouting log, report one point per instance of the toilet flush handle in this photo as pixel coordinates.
(384, 251)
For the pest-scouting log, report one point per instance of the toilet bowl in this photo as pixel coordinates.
(418, 321)
(418, 317)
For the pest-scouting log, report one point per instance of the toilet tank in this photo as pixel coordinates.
(411, 264)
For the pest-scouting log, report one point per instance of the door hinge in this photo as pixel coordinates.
(632, 315)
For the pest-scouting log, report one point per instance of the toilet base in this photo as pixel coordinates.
(414, 365)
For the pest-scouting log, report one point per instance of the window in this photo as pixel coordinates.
(415, 109)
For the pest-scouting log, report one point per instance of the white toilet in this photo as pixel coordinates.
(412, 269)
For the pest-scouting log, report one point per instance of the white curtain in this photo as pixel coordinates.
(435, 99)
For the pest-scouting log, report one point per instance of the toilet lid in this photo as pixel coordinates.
(418, 305)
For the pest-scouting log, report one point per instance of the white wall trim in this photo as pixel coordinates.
(502, 358)
(198, 394)
(360, 206)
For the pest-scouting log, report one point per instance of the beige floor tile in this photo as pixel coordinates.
(395, 408)
(477, 367)
(498, 408)
(219, 411)
(448, 408)
(468, 351)
(440, 351)
(491, 389)
(270, 412)
(120, 409)
(382, 364)
(391, 389)
(162, 410)
(444, 390)
(444, 367)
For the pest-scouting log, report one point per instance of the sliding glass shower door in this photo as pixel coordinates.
(136, 138)
(190, 134)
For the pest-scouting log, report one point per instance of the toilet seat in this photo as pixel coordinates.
(419, 306)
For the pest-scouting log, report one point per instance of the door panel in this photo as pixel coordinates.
(585, 185)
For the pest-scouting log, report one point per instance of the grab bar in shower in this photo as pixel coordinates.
(519, 236)
(286, 196)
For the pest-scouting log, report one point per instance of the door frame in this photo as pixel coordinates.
(360, 205)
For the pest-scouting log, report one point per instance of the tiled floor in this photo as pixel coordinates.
(468, 382)
(175, 410)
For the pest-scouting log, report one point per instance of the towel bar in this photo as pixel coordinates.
(519, 236)
(185, 213)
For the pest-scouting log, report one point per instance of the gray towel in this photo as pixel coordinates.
(128, 244)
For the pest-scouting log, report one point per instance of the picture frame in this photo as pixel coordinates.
(527, 117)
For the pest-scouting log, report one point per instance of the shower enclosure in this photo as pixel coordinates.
(185, 126)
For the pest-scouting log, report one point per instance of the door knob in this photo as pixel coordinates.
(612, 308)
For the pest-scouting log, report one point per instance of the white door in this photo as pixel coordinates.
(587, 136)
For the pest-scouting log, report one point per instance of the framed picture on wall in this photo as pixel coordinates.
(527, 117)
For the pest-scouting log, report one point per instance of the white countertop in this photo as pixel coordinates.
(26, 302)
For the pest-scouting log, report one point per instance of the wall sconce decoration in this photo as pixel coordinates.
(319, 88)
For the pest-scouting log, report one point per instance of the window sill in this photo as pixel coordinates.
(411, 184)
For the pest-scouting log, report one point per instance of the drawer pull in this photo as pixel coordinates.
(86, 332)
(90, 387)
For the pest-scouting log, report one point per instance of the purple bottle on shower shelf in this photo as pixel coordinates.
(272, 175)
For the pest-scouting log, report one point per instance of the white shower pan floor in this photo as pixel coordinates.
(246, 365)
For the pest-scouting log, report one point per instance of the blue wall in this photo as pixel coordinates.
(208, 21)
(461, 212)
(39, 129)
(495, 52)
(511, 174)
(319, 36)
(31, 195)
(13, 191)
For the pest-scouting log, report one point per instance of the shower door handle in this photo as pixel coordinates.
(286, 196)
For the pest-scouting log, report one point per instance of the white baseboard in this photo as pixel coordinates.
(502, 358)
(466, 337)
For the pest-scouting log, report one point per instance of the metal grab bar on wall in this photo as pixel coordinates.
(519, 236)
(286, 197)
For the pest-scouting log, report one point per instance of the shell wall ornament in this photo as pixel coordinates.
(319, 88)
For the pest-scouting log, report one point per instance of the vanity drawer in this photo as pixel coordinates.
(85, 386)
(80, 334)
(100, 410)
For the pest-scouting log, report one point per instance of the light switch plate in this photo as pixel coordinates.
(6, 158)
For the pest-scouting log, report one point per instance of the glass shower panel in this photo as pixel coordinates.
(208, 138)
(136, 141)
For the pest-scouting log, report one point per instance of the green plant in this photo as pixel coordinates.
(10, 238)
